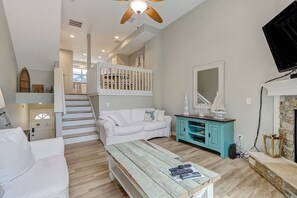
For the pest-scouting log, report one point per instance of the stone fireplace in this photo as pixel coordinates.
(288, 107)
(285, 113)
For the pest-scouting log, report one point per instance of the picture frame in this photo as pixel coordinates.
(37, 88)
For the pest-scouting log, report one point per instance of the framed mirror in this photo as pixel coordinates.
(207, 81)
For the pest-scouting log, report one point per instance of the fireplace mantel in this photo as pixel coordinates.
(282, 88)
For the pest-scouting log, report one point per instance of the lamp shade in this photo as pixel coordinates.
(2, 103)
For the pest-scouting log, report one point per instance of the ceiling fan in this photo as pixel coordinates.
(139, 7)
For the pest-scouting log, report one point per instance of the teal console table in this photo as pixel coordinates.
(208, 132)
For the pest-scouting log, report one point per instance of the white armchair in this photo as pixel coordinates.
(46, 177)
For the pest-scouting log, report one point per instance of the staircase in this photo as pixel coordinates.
(78, 123)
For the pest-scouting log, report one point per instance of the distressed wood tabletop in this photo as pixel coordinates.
(147, 164)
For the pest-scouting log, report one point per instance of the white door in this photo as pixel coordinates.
(41, 122)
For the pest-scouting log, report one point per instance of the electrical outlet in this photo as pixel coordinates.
(248, 101)
(240, 137)
(107, 104)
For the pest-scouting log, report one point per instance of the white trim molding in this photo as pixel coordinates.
(280, 88)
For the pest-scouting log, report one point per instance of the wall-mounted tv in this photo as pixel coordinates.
(281, 35)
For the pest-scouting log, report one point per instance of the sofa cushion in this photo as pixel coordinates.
(150, 126)
(151, 115)
(160, 116)
(126, 113)
(130, 128)
(118, 119)
(137, 115)
(106, 118)
(47, 178)
(16, 157)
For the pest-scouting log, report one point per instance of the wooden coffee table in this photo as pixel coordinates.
(142, 167)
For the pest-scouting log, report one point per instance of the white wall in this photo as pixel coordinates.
(124, 102)
(228, 30)
(153, 60)
(66, 62)
(136, 54)
(8, 76)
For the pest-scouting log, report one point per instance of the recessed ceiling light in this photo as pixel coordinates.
(99, 56)
(40, 103)
(103, 50)
(81, 59)
(117, 37)
(84, 54)
(72, 36)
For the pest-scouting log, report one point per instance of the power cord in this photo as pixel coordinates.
(242, 150)
(260, 109)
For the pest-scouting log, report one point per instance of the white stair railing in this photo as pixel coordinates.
(109, 79)
(59, 98)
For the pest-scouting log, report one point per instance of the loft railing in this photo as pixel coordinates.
(59, 98)
(109, 79)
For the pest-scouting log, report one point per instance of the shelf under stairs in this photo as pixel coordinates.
(78, 124)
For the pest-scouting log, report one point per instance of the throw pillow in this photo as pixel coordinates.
(104, 117)
(118, 119)
(160, 116)
(151, 115)
(15, 154)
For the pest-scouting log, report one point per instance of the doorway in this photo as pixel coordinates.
(41, 124)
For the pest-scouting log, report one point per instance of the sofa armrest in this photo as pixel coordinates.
(105, 127)
(46, 148)
(168, 119)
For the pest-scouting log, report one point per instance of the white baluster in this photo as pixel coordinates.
(115, 79)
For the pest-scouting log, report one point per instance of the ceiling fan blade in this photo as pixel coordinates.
(156, 0)
(153, 14)
(127, 15)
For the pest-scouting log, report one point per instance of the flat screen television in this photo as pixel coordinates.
(281, 35)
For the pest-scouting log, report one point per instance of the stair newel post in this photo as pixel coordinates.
(59, 132)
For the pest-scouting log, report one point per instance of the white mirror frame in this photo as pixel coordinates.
(220, 65)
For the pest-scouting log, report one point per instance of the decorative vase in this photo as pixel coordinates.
(186, 106)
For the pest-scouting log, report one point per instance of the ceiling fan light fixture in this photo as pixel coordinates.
(138, 6)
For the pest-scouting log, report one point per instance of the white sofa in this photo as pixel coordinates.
(135, 128)
(46, 176)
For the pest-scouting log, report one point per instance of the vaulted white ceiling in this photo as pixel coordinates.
(40, 28)
(35, 31)
(101, 18)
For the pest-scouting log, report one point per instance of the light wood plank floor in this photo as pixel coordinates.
(88, 171)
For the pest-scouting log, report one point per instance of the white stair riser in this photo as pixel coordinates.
(75, 97)
(79, 122)
(78, 115)
(81, 139)
(77, 103)
(78, 109)
(80, 130)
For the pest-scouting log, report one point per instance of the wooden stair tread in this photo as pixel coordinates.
(80, 135)
(77, 112)
(77, 119)
(76, 100)
(78, 105)
(72, 94)
(78, 126)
